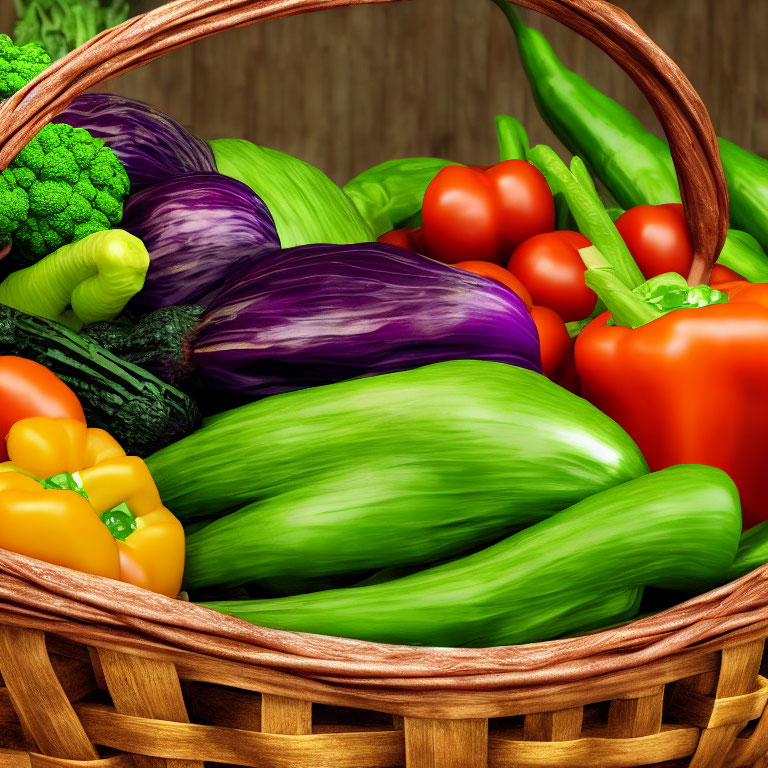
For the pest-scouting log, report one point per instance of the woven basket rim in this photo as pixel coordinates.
(40, 590)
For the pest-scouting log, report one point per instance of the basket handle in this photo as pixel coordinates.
(143, 39)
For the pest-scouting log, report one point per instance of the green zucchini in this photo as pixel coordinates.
(753, 551)
(404, 468)
(141, 412)
(581, 569)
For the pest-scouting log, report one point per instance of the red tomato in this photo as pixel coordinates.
(658, 239)
(501, 275)
(460, 217)
(29, 389)
(411, 239)
(477, 215)
(550, 267)
(527, 203)
(399, 237)
(575, 239)
(557, 360)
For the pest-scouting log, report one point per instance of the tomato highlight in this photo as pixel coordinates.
(550, 267)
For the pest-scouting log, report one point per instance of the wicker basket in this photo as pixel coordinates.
(99, 673)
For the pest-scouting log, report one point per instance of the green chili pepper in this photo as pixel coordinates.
(753, 551)
(513, 139)
(635, 166)
(389, 195)
(631, 162)
(747, 177)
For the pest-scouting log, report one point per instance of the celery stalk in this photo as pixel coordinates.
(588, 211)
(626, 308)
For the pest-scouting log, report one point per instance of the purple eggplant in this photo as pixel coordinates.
(318, 314)
(196, 228)
(152, 146)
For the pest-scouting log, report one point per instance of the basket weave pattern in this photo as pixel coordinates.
(143, 717)
(98, 673)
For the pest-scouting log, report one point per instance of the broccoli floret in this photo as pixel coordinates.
(19, 65)
(62, 186)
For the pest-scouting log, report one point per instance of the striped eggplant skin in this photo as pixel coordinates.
(318, 314)
(400, 469)
(152, 146)
(196, 228)
(580, 569)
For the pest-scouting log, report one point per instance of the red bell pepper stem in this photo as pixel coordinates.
(625, 307)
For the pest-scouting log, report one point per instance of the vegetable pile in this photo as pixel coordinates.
(446, 404)
(63, 25)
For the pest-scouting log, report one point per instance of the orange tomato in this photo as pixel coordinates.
(29, 389)
(501, 275)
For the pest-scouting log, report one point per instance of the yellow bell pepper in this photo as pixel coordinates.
(70, 496)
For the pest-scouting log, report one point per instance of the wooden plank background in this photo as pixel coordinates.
(348, 88)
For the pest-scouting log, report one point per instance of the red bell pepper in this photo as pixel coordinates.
(683, 369)
(689, 387)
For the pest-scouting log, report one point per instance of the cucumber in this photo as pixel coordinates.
(581, 569)
(404, 468)
(157, 342)
(141, 412)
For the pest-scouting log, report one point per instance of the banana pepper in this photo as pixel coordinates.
(70, 496)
